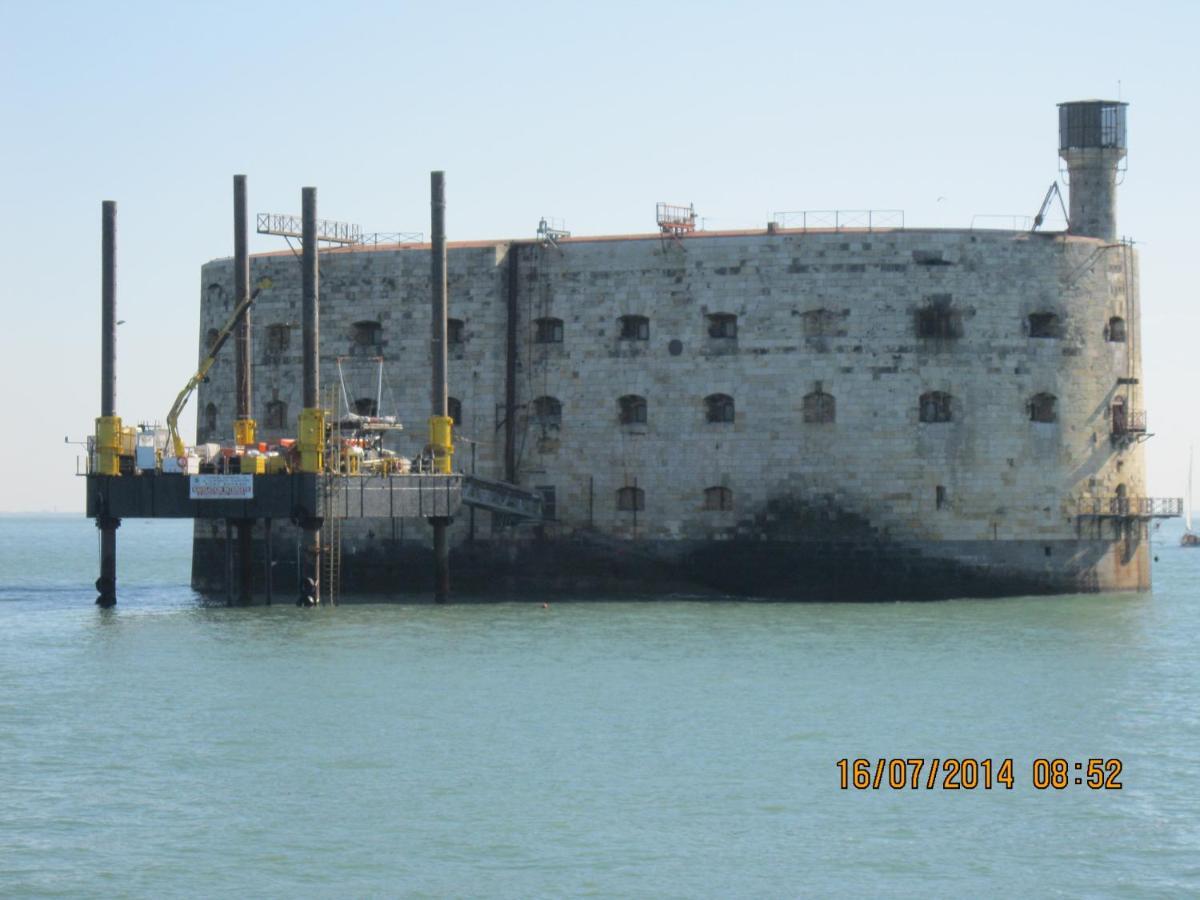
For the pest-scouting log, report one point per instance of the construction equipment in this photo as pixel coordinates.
(1051, 193)
(176, 442)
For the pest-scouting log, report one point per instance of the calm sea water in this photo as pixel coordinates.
(675, 748)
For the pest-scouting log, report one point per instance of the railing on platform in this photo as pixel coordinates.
(1132, 507)
(375, 238)
(1131, 421)
(839, 219)
(292, 226)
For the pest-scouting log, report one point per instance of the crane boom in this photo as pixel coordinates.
(176, 441)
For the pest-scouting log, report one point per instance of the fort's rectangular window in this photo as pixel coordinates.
(1043, 408)
(454, 409)
(940, 496)
(278, 337)
(820, 408)
(1115, 332)
(367, 333)
(938, 320)
(276, 414)
(718, 408)
(547, 412)
(722, 326)
(632, 409)
(366, 406)
(1044, 325)
(548, 331)
(718, 498)
(635, 328)
(936, 406)
(549, 501)
(631, 499)
(454, 331)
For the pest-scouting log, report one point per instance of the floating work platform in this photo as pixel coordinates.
(300, 496)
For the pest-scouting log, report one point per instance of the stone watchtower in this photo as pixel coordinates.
(1091, 140)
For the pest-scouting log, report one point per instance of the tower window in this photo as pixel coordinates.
(632, 409)
(936, 406)
(454, 331)
(718, 408)
(722, 325)
(366, 406)
(819, 408)
(1043, 408)
(210, 339)
(718, 498)
(210, 420)
(1115, 332)
(454, 409)
(1044, 325)
(939, 495)
(635, 328)
(367, 333)
(631, 499)
(276, 414)
(548, 331)
(547, 411)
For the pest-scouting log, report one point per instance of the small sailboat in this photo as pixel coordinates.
(1190, 538)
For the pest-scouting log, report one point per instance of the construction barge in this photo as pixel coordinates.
(336, 468)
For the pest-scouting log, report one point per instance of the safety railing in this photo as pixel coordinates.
(1132, 507)
(1131, 421)
(839, 219)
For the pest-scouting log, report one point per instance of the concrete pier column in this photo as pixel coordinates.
(244, 430)
(106, 584)
(310, 561)
(439, 406)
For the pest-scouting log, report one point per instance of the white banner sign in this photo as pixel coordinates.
(221, 487)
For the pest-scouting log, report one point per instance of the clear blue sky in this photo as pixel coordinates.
(587, 112)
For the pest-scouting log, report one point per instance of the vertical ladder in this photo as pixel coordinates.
(331, 542)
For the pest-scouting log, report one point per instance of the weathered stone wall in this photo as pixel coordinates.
(831, 313)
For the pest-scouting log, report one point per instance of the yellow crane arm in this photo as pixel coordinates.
(173, 437)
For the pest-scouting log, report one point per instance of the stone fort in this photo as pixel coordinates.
(806, 412)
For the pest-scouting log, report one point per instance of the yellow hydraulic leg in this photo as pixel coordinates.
(312, 440)
(108, 445)
(441, 441)
(243, 432)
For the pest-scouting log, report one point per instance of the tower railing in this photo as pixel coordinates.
(1132, 507)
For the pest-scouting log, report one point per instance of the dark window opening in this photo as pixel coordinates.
(210, 339)
(940, 496)
(548, 331)
(718, 498)
(930, 258)
(722, 325)
(210, 420)
(819, 408)
(278, 337)
(368, 333)
(718, 408)
(631, 499)
(454, 331)
(454, 409)
(547, 411)
(276, 414)
(1047, 550)
(549, 501)
(938, 320)
(633, 409)
(936, 406)
(1043, 408)
(1115, 332)
(1044, 325)
(635, 328)
(366, 406)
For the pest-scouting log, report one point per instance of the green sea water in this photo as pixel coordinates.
(675, 748)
